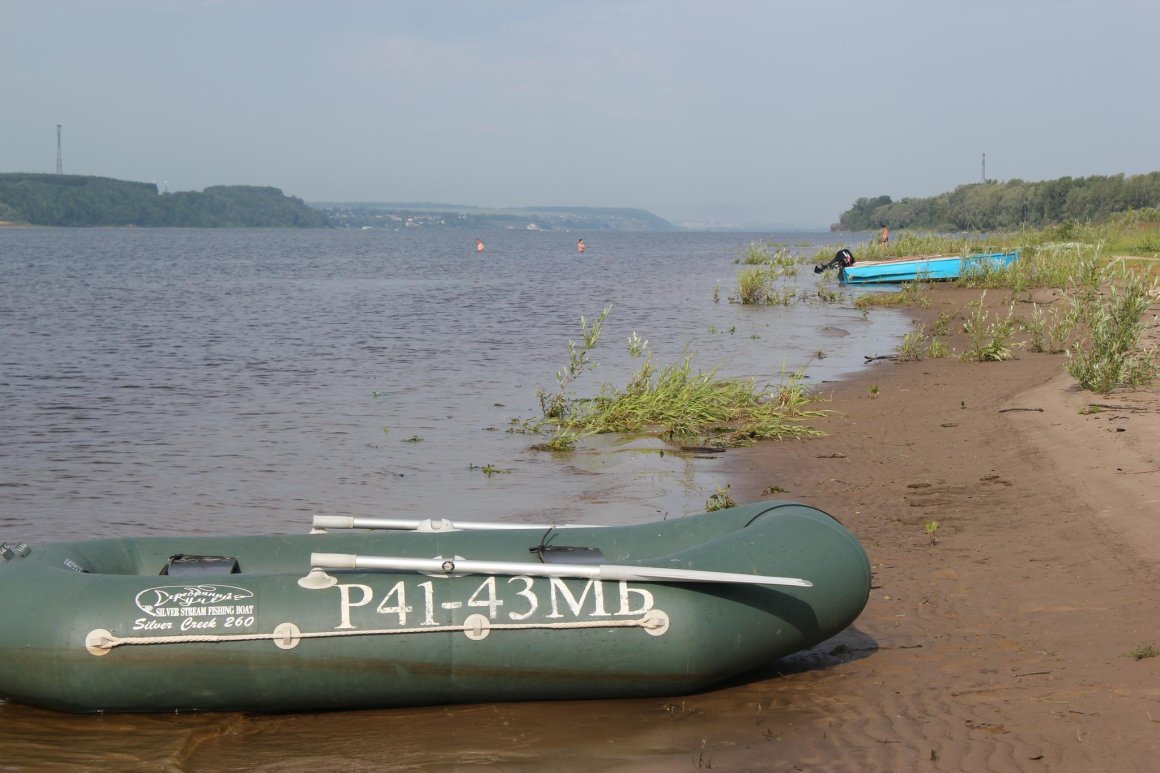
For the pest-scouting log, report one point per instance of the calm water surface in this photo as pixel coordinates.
(181, 381)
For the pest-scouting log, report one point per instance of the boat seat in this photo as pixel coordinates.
(196, 566)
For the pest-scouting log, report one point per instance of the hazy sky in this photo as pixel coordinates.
(761, 113)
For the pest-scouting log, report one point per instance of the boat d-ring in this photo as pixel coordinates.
(476, 627)
(99, 642)
(287, 636)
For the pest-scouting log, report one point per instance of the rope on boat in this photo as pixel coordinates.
(287, 635)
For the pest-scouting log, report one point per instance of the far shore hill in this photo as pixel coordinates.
(87, 201)
(82, 200)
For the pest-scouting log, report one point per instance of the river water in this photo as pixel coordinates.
(230, 381)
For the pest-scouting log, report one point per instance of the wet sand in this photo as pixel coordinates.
(1002, 644)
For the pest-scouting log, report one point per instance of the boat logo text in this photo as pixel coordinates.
(195, 600)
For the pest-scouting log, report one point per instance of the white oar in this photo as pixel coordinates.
(323, 522)
(596, 571)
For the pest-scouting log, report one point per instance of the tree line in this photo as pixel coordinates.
(995, 206)
(79, 200)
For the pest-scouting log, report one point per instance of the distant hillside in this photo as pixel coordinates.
(992, 205)
(77, 200)
(426, 215)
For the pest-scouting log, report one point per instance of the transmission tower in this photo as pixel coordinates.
(59, 164)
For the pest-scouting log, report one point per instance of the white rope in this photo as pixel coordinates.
(287, 635)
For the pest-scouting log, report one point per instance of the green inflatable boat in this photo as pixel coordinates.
(368, 612)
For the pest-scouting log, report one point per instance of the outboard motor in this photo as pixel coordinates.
(843, 258)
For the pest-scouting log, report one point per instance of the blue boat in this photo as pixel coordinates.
(927, 268)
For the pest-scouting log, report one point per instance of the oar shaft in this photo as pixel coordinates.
(596, 571)
(323, 521)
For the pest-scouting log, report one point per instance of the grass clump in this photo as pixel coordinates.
(991, 341)
(758, 282)
(1143, 652)
(1107, 354)
(937, 349)
(758, 285)
(720, 500)
(913, 345)
(910, 294)
(682, 401)
(1048, 332)
(920, 343)
(677, 400)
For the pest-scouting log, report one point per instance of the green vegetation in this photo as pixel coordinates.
(720, 500)
(684, 402)
(991, 205)
(488, 469)
(555, 404)
(1108, 353)
(1143, 652)
(1048, 331)
(1108, 297)
(765, 265)
(75, 200)
(911, 294)
(990, 340)
(678, 401)
(913, 345)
